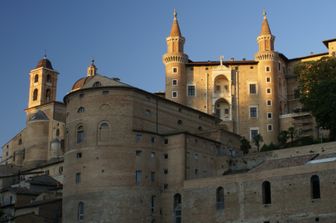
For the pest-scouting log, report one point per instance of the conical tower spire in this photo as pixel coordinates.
(265, 29)
(175, 30)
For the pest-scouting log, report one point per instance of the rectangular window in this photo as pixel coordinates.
(269, 115)
(174, 82)
(191, 90)
(268, 69)
(253, 132)
(153, 204)
(268, 79)
(152, 177)
(138, 174)
(269, 127)
(174, 70)
(78, 155)
(165, 156)
(174, 94)
(268, 91)
(78, 178)
(279, 66)
(165, 171)
(138, 137)
(138, 152)
(253, 88)
(253, 112)
(269, 102)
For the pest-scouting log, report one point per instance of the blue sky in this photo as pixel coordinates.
(127, 39)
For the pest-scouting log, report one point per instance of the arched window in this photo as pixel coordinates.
(266, 192)
(36, 78)
(103, 132)
(178, 208)
(81, 110)
(35, 94)
(80, 211)
(220, 198)
(80, 134)
(315, 187)
(48, 78)
(48, 94)
(57, 132)
(96, 84)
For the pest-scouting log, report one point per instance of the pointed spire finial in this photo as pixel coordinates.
(92, 61)
(264, 13)
(175, 14)
(45, 54)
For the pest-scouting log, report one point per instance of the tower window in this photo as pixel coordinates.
(78, 178)
(48, 78)
(35, 94)
(138, 174)
(268, 91)
(48, 94)
(36, 77)
(268, 69)
(269, 115)
(315, 187)
(253, 112)
(174, 82)
(152, 176)
(269, 127)
(174, 94)
(174, 70)
(266, 192)
(191, 90)
(268, 79)
(269, 102)
(104, 131)
(253, 88)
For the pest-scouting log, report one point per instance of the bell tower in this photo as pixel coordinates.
(43, 83)
(175, 60)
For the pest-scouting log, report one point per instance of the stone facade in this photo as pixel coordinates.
(250, 96)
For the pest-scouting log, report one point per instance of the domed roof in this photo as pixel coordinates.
(80, 83)
(44, 62)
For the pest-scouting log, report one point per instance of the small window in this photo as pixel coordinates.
(57, 132)
(196, 171)
(138, 137)
(269, 115)
(269, 102)
(81, 95)
(174, 82)
(105, 92)
(268, 91)
(96, 84)
(138, 175)
(268, 69)
(20, 142)
(253, 88)
(36, 78)
(174, 70)
(48, 95)
(165, 171)
(78, 155)
(78, 178)
(174, 94)
(253, 133)
(266, 192)
(269, 127)
(80, 134)
(165, 156)
(315, 187)
(138, 153)
(152, 154)
(268, 79)
(165, 186)
(220, 198)
(153, 204)
(191, 90)
(153, 139)
(152, 177)
(35, 94)
(279, 66)
(80, 214)
(180, 122)
(80, 110)
(60, 170)
(165, 141)
(253, 112)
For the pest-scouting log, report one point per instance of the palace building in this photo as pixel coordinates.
(111, 152)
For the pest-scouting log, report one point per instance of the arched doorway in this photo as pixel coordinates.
(222, 109)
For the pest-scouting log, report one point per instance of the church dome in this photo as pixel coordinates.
(44, 62)
(81, 82)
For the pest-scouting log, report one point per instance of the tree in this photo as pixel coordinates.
(244, 145)
(257, 139)
(317, 87)
(282, 138)
(292, 133)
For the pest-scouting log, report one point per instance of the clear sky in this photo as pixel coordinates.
(127, 39)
